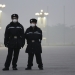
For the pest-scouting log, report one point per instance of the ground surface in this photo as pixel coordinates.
(57, 60)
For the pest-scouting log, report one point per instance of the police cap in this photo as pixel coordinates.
(14, 16)
(33, 20)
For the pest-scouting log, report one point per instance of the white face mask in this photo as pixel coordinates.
(14, 20)
(33, 25)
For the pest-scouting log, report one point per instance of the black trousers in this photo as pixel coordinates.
(38, 59)
(12, 52)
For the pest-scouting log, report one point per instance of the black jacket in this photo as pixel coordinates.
(14, 35)
(33, 37)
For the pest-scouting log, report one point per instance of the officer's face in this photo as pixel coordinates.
(15, 19)
(33, 24)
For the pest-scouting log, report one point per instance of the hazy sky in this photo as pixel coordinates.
(27, 9)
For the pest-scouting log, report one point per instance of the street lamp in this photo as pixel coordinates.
(42, 21)
(42, 17)
(1, 7)
(42, 14)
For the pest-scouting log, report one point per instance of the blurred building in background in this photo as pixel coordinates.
(58, 35)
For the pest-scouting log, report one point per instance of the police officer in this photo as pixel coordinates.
(14, 40)
(33, 35)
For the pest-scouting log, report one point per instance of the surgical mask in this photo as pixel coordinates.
(33, 25)
(14, 20)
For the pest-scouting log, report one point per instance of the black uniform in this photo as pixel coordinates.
(34, 37)
(14, 40)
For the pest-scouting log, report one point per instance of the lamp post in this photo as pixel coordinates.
(1, 7)
(42, 18)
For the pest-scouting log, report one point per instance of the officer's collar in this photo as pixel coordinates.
(13, 23)
(31, 28)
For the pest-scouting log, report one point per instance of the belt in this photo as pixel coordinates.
(32, 41)
(15, 37)
(35, 41)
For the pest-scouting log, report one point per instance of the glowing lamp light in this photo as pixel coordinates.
(3, 6)
(0, 11)
(0, 28)
(42, 14)
(36, 13)
(41, 10)
(46, 13)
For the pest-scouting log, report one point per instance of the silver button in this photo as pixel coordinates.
(15, 37)
(33, 41)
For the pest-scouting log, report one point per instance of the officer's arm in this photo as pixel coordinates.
(25, 36)
(6, 36)
(41, 35)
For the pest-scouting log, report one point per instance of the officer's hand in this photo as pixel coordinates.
(6, 45)
(22, 46)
